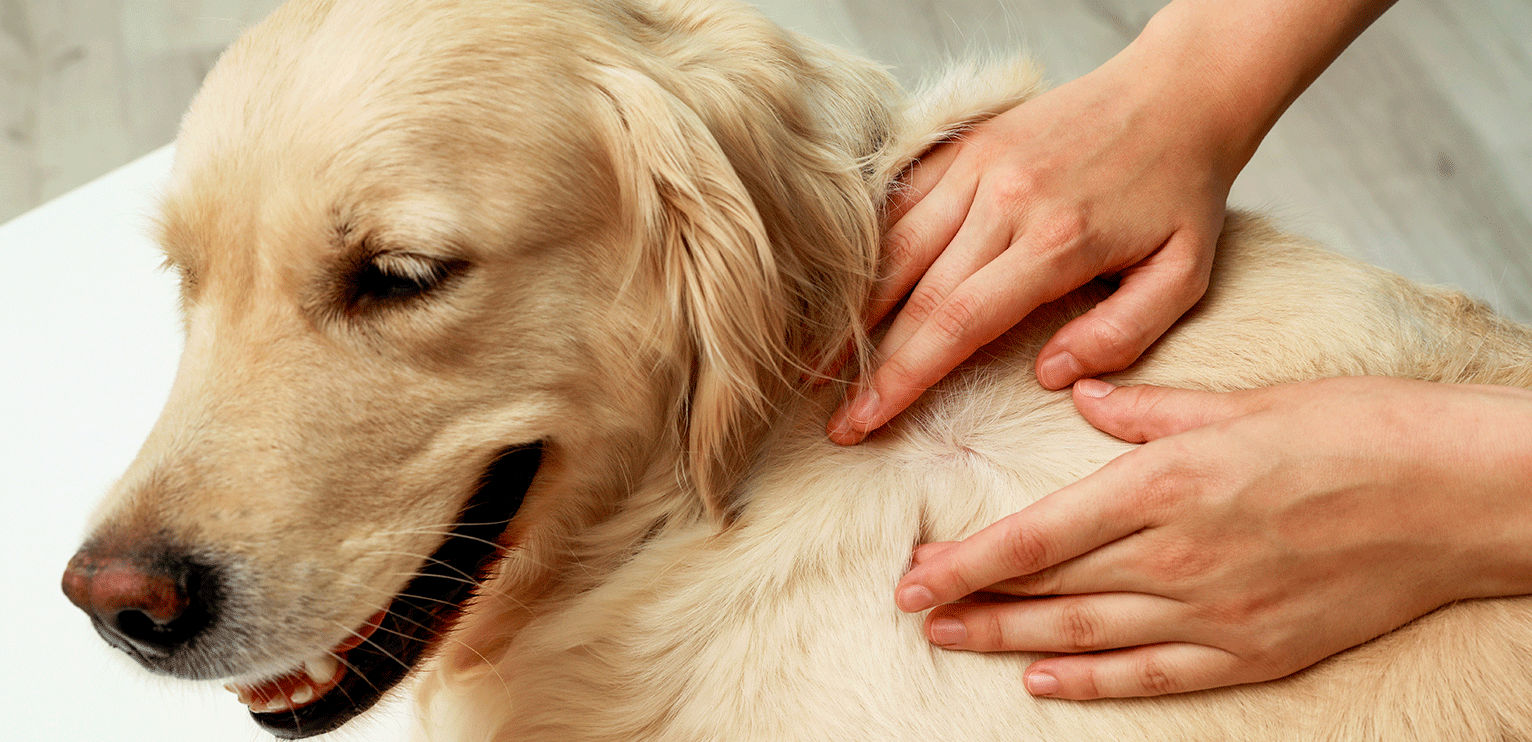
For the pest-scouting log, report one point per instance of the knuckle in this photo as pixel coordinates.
(1178, 563)
(1146, 403)
(923, 302)
(1038, 583)
(1079, 629)
(1163, 485)
(1018, 188)
(898, 374)
(899, 249)
(993, 632)
(1243, 612)
(1115, 343)
(1153, 677)
(954, 318)
(1026, 549)
(1055, 233)
(1090, 686)
(1195, 284)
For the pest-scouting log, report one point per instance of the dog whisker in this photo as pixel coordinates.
(412, 596)
(433, 560)
(434, 633)
(451, 525)
(482, 593)
(448, 534)
(464, 577)
(481, 587)
(426, 530)
(368, 640)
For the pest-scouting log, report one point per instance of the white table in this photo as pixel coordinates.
(88, 344)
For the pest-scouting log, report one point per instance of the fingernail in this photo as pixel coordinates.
(840, 425)
(948, 631)
(1094, 388)
(1042, 684)
(1058, 371)
(855, 413)
(914, 598)
(863, 407)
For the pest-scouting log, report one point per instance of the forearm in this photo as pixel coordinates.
(1234, 66)
(1489, 450)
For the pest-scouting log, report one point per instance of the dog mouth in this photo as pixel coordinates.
(329, 689)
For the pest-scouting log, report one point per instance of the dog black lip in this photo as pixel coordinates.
(427, 607)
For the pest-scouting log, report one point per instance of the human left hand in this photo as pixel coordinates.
(1255, 534)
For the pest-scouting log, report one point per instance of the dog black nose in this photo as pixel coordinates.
(147, 606)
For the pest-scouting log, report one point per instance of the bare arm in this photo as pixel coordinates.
(1124, 172)
(1216, 553)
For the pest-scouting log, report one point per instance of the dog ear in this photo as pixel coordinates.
(706, 241)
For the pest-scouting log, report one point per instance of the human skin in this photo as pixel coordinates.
(1122, 173)
(1211, 555)
(1215, 553)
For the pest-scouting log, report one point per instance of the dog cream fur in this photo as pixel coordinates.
(671, 209)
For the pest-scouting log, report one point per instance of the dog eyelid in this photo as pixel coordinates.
(392, 277)
(418, 268)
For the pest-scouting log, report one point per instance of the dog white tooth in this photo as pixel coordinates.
(302, 694)
(271, 707)
(321, 669)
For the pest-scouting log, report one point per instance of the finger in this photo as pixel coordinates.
(915, 242)
(1139, 414)
(1109, 569)
(983, 307)
(927, 552)
(1072, 521)
(1088, 623)
(918, 180)
(1112, 335)
(1153, 670)
(976, 244)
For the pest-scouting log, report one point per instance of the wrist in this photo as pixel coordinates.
(1234, 66)
(1486, 465)
(1507, 434)
(1176, 64)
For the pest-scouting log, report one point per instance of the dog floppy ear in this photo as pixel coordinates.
(704, 239)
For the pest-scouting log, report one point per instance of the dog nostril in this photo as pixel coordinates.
(147, 606)
(146, 630)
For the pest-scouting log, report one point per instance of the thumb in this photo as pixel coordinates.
(1113, 334)
(1139, 414)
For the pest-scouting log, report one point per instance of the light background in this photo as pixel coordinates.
(1413, 152)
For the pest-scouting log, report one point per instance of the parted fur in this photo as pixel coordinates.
(672, 213)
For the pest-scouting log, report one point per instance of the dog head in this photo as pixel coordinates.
(457, 278)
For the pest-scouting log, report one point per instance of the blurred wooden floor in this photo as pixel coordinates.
(1413, 152)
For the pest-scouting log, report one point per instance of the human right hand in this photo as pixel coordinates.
(1095, 178)
(1123, 173)
(1216, 553)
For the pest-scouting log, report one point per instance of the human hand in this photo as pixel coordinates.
(1122, 173)
(1255, 534)
(1095, 178)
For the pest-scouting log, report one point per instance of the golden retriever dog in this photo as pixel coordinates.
(498, 315)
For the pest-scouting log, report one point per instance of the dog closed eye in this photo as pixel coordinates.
(392, 278)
